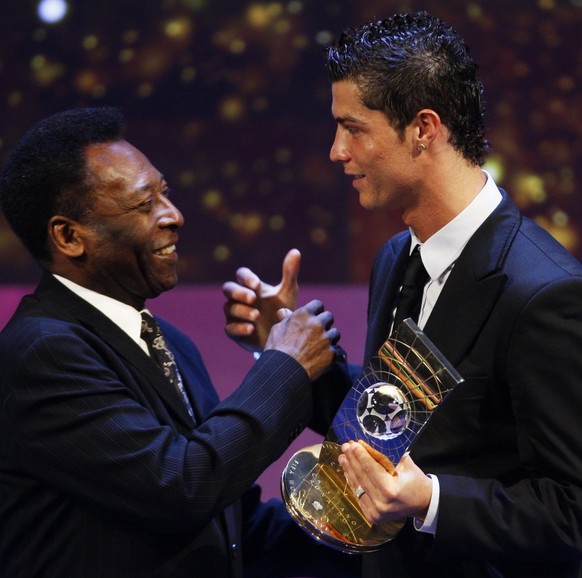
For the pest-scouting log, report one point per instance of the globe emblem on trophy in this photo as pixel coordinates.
(382, 411)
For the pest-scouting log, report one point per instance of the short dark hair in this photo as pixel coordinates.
(413, 61)
(46, 175)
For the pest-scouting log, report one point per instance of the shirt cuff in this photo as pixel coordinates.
(430, 522)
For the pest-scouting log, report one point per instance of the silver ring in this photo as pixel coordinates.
(359, 491)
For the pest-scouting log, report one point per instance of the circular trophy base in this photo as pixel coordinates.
(318, 497)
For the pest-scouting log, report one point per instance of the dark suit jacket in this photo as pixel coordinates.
(102, 472)
(507, 443)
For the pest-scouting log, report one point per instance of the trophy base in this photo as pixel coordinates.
(319, 499)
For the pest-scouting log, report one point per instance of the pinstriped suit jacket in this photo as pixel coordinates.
(102, 472)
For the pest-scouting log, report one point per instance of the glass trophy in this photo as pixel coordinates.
(385, 409)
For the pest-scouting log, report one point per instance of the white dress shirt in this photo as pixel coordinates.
(126, 317)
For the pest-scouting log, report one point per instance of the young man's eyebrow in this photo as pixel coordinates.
(344, 120)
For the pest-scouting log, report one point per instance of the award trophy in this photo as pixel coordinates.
(387, 407)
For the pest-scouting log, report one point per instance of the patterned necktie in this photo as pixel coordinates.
(152, 335)
(410, 298)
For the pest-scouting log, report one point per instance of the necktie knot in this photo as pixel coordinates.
(162, 355)
(415, 274)
(151, 332)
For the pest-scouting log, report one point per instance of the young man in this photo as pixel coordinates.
(502, 301)
(117, 459)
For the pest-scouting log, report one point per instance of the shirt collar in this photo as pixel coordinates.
(443, 248)
(124, 316)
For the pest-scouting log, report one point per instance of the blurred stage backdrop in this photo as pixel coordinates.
(230, 100)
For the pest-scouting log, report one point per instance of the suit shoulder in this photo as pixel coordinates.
(30, 318)
(537, 250)
(392, 247)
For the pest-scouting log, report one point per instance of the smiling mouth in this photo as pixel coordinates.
(166, 250)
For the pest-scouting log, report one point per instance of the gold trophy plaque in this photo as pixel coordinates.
(386, 408)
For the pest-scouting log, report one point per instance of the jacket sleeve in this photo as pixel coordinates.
(78, 423)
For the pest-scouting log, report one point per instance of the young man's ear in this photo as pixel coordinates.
(428, 125)
(66, 236)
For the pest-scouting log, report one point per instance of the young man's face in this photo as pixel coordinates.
(379, 160)
(131, 228)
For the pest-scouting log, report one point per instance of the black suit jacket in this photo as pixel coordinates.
(104, 474)
(507, 443)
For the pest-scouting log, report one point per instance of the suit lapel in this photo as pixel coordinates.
(151, 377)
(474, 285)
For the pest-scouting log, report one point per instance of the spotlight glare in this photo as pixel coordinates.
(51, 11)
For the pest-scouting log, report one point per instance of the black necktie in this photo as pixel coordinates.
(410, 297)
(152, 335)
